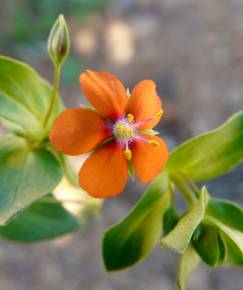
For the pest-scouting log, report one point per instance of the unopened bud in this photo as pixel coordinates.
(59, 42)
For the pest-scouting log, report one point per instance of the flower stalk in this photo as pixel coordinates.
(58, 49)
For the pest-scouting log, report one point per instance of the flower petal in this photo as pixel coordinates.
(149, 160)
(76, 131)
(144, 103)
(105, 172)
(105, 92)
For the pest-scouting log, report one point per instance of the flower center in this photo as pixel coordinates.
(126, 131)
(123, 129)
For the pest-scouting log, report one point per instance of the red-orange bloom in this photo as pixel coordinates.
(117, 132)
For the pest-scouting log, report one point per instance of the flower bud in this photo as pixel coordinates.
(59, 42)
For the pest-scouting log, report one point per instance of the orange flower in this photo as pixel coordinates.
(118, 132)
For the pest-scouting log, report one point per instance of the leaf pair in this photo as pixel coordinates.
(217, 240)
(227, 219)
(28, 169)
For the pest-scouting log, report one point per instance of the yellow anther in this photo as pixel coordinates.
(154, 142)
(160, 113)
(130, 118)
(128, 154)
(129, 133)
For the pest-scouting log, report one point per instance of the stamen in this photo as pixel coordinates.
(157, 115)
(130, 118)
(128, 154)
(129, 133)
(154, 142)
(160, 113)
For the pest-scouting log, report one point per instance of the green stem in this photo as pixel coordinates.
(57, 72)
(193, 187)
(183, 188)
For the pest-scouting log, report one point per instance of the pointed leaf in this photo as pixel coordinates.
(211, 154)
(179, 238)
(234, 253)
(226, 212)
(135, 237)
(41, 221)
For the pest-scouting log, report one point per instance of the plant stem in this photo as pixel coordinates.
(57, 70)
(182, 187)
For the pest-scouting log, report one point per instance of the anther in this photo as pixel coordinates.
(129, 133)
(154, 142)
(130, 118)
(160, 113)
(128, 154)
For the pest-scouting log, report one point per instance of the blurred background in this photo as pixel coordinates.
(194, 52)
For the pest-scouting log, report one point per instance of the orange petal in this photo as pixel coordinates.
(144, 103)
(105, 172)
(76, 131)
(105, 92)
(149, 160)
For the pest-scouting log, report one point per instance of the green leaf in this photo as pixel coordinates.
(234, 253)
(188, 263)
(24, 97)
(26, 174)
(171, 219)
(207, 245)
(228, 218)
(179, 238)
(226, 212)
(135, 237)
(211, 154)
(41, 221)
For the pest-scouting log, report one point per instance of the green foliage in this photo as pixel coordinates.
(208, 239)
(188, 263)
(226, 212)
(170, 220)
(211, 154)
(26, 174)
(25, 98)
(180, 236)
(228, 219)
(41, 221)
(135, 237)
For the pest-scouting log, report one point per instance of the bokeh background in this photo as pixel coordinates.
(193, 49)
